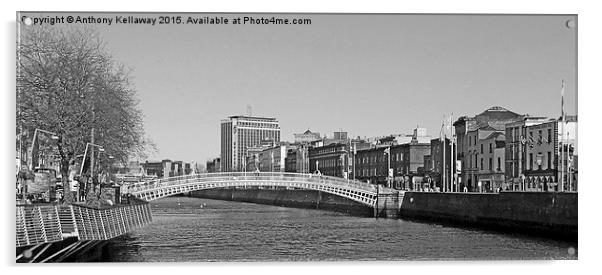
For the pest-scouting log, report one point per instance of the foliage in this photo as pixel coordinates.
(68, 84)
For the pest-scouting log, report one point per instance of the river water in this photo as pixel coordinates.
(191, 229)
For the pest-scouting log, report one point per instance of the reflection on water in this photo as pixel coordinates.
(193, 229)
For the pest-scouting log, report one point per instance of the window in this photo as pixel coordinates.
(549, 157)
(481, 163)
(481, 148)
(470, 163)
(549, 138)
(490, 164)
(490, 147)
(531, 160)
(499, 164)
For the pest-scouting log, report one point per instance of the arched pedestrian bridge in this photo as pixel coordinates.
(55, 232)
(358, 191)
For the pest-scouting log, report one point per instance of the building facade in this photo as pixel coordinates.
(491, 163)
(213, 166)
(549, 156)
(273, 159)
(409, 163)
(469, 130)
(252, 157)
(166, 168)
(307, 137)
(238, 133)
(399, 166)
(330, 160)
(539, 156)
(302, 158)
(297, 158)
(290, 165)
(371, 165)
(405, 161)
(435, 168)
(515, 154)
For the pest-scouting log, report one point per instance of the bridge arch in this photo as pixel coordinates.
(358, 191)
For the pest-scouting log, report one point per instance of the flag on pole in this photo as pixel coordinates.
(562, 99)
(441, 132)
(450, 128)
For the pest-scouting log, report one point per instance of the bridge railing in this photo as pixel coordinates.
(38, 224)
(249, 176)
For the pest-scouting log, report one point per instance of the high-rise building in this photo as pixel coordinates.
(241, 132)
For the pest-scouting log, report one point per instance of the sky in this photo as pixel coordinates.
(369, 75)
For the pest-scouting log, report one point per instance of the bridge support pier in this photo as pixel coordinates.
(388, 205)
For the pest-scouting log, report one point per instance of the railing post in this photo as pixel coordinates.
(58, 218)
(22, 211)
(42, 224)
(102, 224)
(137, 214)
(75, 227)
(122, 220)
(95, 229)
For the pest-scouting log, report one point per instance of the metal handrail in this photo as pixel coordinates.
(250, 176)
(38, 224)
(355, 190)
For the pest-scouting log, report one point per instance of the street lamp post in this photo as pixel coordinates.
(100, 149)
(245, 163)
(354, 153)
(81, 170)
(101, 165)
(304, 168)
(256, 162)
(272, 161)
(33, 143)
(388, 153)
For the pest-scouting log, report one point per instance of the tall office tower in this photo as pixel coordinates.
(241, 132)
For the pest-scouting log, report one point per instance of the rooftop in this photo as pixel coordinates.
(492, 119)
(252, 118)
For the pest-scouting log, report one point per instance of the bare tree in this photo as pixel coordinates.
(68, 84)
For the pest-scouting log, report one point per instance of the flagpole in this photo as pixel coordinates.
(443, 185)
(520, 160)
(568, 171)
(562, 137)
(453, 155)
